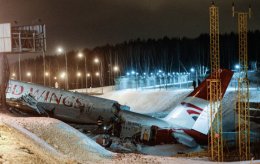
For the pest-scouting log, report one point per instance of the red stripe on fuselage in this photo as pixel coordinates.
(193, 112)
(190, 105)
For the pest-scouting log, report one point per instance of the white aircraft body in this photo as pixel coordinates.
(188, 122)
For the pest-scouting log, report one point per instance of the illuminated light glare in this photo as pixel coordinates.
(28, 74)
(60, 50)
(13, 74)
(192, 70)
(115, 68)
(80, 55)
(62, 75)
(96, 60)
(88, 74)
(97, 74)
(237, 66)
(47, 74)
(55, 78)
(78, 74)
(127, 73)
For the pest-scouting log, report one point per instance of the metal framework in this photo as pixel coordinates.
(30, 38)
(243, 121)
(215, 141)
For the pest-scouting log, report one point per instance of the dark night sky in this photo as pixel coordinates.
(77, 24)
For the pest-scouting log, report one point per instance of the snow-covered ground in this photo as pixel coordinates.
(148, 101)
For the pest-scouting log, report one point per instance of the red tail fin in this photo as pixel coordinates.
(201, 90)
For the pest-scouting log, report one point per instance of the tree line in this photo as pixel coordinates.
(139, 55)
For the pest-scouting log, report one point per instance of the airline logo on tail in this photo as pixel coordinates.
(192, 110)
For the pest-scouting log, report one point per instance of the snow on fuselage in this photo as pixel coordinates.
(71, 106)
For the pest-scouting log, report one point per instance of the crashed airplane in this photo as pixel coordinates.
(187, 123)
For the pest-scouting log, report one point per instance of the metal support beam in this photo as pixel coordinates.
(243, 121)
(215, 141)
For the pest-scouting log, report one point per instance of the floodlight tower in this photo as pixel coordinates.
(215, 142)
(242, 107)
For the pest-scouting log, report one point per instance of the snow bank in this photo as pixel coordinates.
(35, 139)
(63, 138)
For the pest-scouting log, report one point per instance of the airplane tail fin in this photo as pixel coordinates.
(192, 112)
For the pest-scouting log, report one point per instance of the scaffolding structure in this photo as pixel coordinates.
(215, 141)
(242, 106)
(18, 39)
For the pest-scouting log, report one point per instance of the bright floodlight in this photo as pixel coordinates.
(133, 72)
(60, 50)
(192, 70)
(55, 78)
(127, 73)
(13, 74)
(96, 60)
(28, 74)
(237, 66)
(97, 74)
(88, 74)
(115, 68)
(47, 74)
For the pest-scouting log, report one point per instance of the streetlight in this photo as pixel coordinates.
(116, 68)
(13, 76)
(79, 76)
(80, 55)
(47, 74)
(96, 60)
(97, 74)
(60, 51)
(63, 76)
(29, 74)
(89, 75)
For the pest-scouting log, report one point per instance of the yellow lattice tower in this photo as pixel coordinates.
(242, 107)
(215, 142)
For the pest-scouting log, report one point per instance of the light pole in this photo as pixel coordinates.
(13, 76)
(79, 76)
(29, 75)
(43, 56)
(63, 76)
(80, 55)
(96, 60)
(89, 75)
(47, 74)
(116, 70)
(60, 51)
